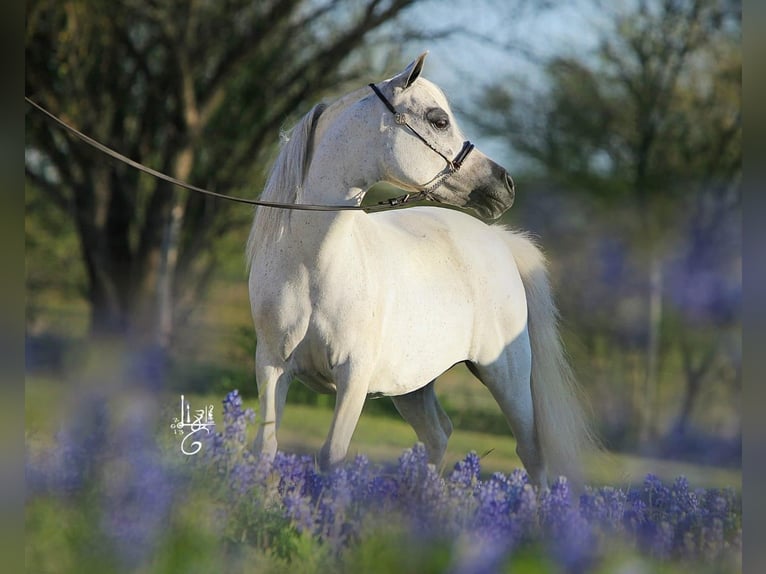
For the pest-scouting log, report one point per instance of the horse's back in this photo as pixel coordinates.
(489, 250)
(497, 245)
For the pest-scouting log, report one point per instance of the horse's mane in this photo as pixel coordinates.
(285, 181)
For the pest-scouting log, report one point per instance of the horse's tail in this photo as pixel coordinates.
(563, 432)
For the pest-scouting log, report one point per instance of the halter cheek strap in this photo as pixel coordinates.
(453, 165)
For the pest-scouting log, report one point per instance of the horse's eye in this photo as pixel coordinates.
(438, 118)
(441, 123)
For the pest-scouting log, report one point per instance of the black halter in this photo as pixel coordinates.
(453, 165)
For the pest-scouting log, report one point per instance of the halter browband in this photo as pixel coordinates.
(452, 164)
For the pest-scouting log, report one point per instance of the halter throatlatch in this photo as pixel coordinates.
(453, 165)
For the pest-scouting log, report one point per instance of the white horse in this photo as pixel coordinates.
(358, 303)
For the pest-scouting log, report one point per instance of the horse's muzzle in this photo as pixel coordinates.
(492, 200)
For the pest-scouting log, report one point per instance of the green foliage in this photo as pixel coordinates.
(387, 548)
(652, 114)
(634, 190)
(196, 90)
(60, 537)
(478, 419)
(55, 276)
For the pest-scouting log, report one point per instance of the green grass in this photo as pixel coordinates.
(381, 438)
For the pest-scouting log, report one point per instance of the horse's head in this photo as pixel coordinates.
(424, 149)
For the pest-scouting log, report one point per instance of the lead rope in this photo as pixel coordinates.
(159, 175)
(384, 205)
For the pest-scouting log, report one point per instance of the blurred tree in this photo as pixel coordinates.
(197, 89)
(652, 120)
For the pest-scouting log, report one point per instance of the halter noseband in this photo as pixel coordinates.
(453, 165)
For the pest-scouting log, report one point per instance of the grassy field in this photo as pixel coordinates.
(380, 437)
(218, 344)
(383, 438)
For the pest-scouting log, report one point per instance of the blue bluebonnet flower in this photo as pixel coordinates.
(484, 520)
(79, 447)
(135, 502)
(106, 466)
(567, 532)
(422, 494)
(137, 489)
(507, 509)
(466, 471)
(477, 554)
(300, 511)
(605, 506)
(236, 419)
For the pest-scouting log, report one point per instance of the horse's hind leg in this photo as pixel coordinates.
(508, 378)
(422, 411)
(273, 384)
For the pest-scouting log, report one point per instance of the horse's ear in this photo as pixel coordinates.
(405, 78)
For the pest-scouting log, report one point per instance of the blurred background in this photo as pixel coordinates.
(619, 121)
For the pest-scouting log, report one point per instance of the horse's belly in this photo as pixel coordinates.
(316, 382)
(400, 361)
(407, 368)
(395, 384)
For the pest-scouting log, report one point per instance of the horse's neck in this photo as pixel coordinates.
(308, 234)
(341, 169)
(316, 230)
(338, 174)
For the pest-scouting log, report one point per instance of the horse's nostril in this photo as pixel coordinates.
(509, 183)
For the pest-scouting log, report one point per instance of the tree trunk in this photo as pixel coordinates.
(649, 408)
(694, 374)
(166, 279)
(101, 245)
(693, 385)
(122, 280)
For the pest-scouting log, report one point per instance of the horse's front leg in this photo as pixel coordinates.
(352, 388)
(273, 384)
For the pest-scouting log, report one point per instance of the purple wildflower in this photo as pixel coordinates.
(138, 491)
(80, 447)
(605, 506)
(485, 521)
(477, 554)
(236, 418)
(136, 503)
(466, 471)
(300, 511)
